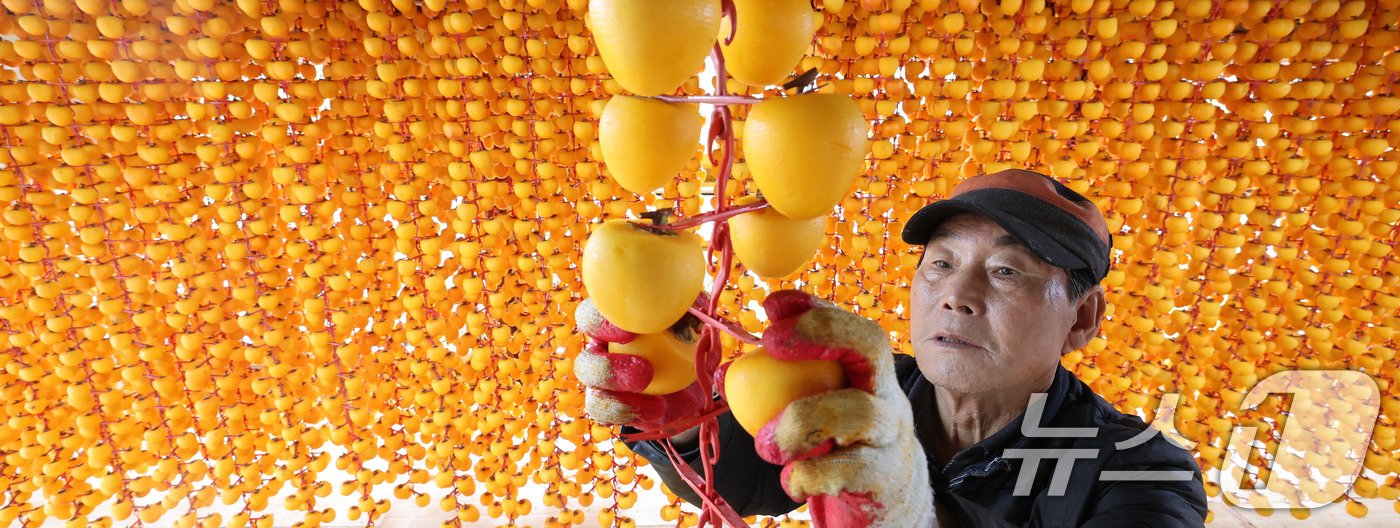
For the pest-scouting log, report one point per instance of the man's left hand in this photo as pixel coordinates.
(850, 453)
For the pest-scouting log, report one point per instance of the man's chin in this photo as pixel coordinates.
(965, 373)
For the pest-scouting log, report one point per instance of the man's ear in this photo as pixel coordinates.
(1088, 314)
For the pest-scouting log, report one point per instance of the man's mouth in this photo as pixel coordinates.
(954, 341)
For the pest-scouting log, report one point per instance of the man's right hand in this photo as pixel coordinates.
(614, 382)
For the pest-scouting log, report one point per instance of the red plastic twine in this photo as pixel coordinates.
(714, 510)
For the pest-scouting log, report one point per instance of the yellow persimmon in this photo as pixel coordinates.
(672, 360)
(758, 386)
(642, 278)
(773, 245)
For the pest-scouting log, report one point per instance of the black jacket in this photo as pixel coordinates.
(1105, 488)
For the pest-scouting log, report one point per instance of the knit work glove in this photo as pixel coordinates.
(850, 453)
(613, 382)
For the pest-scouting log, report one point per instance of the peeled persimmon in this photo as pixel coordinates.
(806, 151)
(672, 360)
(772, 245)
(646, 142)
(771, 37)
(642, 278)
(653, 47)
(759, 386)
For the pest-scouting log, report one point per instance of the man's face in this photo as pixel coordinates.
(978, 282)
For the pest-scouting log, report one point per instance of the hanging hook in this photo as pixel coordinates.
(720, 123)
(727, 7)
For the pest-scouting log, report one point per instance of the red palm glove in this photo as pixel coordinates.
(851, 452)
(613, 382)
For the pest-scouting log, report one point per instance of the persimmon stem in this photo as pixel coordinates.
(727, 327)
(659, 217)
(714, 216)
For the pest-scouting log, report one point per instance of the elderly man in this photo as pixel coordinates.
(1006, 285)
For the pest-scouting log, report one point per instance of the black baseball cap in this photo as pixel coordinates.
(1057, 224)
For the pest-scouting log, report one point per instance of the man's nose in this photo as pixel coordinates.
(962, 293)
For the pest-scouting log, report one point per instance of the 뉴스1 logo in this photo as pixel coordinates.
(1322, 446)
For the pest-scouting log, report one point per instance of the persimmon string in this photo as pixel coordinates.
(715, 510)
(714, 216)
(711, 99)
(726, 326)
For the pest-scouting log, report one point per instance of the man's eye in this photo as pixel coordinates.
(942, 264)
(1005, 271)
